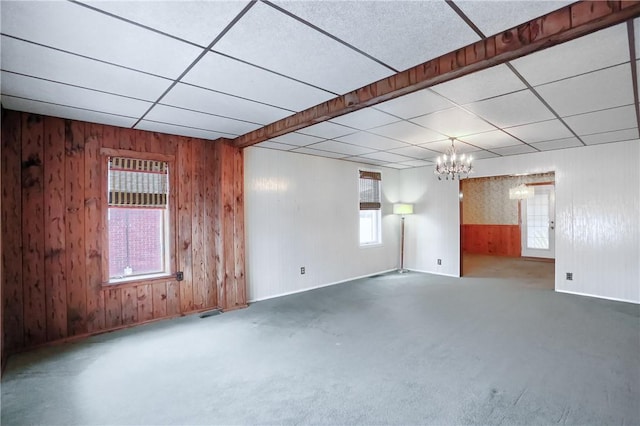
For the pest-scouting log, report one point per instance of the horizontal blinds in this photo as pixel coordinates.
(370, 190)
(138, 183)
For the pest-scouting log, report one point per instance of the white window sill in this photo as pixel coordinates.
(138, 279)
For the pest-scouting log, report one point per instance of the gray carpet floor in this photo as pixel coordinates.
(392, 349)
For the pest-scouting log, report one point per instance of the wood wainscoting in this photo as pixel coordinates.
(501, 240)
(53, 222)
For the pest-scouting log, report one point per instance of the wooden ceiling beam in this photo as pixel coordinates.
(568, 23)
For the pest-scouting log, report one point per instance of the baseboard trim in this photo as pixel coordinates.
(321, 285)
(615, 299)
(434, 273)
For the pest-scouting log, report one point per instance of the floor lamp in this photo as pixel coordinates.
(403, 210)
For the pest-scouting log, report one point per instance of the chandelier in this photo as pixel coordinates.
(452, 165)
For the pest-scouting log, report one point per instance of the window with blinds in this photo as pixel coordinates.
(370, 206)
(138, 183)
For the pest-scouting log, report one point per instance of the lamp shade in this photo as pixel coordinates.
(400, 208)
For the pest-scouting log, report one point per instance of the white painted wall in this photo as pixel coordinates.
(597, 216)
(302, 210)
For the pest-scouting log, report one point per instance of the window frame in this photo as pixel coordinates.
(378, 211)
(111, 283)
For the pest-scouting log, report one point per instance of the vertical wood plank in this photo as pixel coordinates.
(217, 225)
(33, 230)
(209, 229)
(173, 298)
(113, 308)
(12, 291)
(159, 291)
(145, 302)
(197, 225)
(129, 305)
(184, 248)
(238, 229)
(110, 137)
(126, 138)
(228, 204)
(54, 225)
(93, 228)
(74, 238)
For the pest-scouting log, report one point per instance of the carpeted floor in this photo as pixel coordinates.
(392, 349)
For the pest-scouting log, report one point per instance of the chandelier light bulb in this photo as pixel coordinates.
(454, 166)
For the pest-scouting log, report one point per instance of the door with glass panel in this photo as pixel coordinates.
(538, 223)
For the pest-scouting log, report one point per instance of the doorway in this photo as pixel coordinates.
(537, 225)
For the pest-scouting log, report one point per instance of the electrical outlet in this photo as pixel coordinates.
(439, 261)
(569, 276)
(302, 270)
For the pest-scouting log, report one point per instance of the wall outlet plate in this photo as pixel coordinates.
(569, 276)
(302, 270)
(179, 276)
(439, 261)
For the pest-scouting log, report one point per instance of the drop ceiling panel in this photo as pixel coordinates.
(341, 148)
(75, 28)
(542, 131)
(484, 84)
(206, 19)
(480, 155)
(415, 104)
(171, 129)
(443, 146)
(391, 31)
(406, 131)
(372, 141)
(414, 152)
(592, 52)
(387, 156)
(34, 60)
(364, 119)
(36, 107)
(397, 166)
(607, 88)
(357, 159)
(514, 150)
(603, 121)
(493, 17)
(417, 163)
(327, 130)
(275, 145)
(490, 140)
(558, 144)
(297, 139)
(62, 94)
(190, 97)
(227, 75)
(617, 136)
(187, 118)
(318, 153)
(512, 110)
(454, 122)
(271, 39)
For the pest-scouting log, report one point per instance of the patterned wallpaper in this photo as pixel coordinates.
(486, 200)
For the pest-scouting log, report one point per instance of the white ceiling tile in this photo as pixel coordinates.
(327, 130)
(275, 145)
(513, 109)
(171, 129)
(186, 96)
(636, 30)
(480, 155)
(387, 156)
(297, 139)
(541, 131)
(414, 152)
(43, 108)
(358, 159)
(393, 32)
(488, 83)
(493, 17)
(75, 28)
(407, 132)
(206, 19)
(34, 60)
(490, 140)
(588, 53)
(602, 89)
(453, 122)
(341, 148)
(187, 118)
(558, 144)
(514, 150)
(273, 40)
(415, 104)
(444, 145)
(397, 166)
(617, 136)
(62, 94)
(227, 75)
(366, 118)
(603, 121)
(369, 140)
(318, 153)
(417, 163)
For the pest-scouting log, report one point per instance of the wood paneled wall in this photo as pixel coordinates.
(501, 240)
(52, 230)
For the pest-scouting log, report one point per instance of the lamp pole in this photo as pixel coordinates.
(402, 271)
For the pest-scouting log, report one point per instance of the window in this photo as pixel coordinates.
(137, 218)
(370, 208)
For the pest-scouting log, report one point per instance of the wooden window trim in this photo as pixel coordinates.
(173, 184)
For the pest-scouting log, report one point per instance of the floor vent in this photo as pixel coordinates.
(210, 313)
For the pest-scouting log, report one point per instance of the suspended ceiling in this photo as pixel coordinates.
(222, 69)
